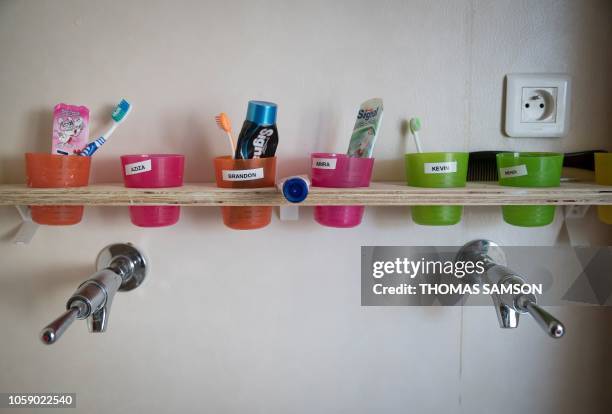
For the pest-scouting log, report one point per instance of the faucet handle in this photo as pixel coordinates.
(52, 332)
(553, 327)
(55, 329)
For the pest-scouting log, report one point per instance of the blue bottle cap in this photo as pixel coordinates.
(295, 190)
(261, 112)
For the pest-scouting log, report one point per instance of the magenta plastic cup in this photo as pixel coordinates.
(340, 171)
(153, 171)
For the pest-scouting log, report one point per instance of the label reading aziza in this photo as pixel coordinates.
(516, 171)
(440, 167)
(324, 163)
(243, 175)
(138, 167)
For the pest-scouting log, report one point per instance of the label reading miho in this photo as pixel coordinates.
(243, 175)
(516, 171)
(324, 163)
(440, 167)
(138, 167)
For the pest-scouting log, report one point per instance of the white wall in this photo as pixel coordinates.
(270, 320)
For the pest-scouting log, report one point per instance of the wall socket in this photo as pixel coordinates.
(537, 105)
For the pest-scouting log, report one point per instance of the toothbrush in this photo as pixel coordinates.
(415, 127)
(119, 114)
(223, 122)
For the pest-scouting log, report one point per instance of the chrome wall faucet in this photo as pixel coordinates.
(119, 267)
(507, 306)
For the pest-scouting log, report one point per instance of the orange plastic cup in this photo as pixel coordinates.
(57, 171)
(238, 173)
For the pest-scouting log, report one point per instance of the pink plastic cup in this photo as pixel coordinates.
(153, 171)
(340, 171)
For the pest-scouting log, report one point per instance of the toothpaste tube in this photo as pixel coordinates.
(366, 129)
(70, 129)
(258, 137)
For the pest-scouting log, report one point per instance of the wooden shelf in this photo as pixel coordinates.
(378, 194)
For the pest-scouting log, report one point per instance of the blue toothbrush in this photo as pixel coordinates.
(119, 114)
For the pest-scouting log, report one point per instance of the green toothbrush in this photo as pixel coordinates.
(415, 127)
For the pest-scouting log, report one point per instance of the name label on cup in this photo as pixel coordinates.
(138, 167)
(243, 175)
(324, 163)
(440, 167)
(516, 171)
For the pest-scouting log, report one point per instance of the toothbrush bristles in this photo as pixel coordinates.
(224, 123)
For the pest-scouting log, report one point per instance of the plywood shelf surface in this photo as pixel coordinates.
(378, 194)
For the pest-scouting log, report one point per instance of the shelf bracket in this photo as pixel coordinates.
(289, 213)
(27, 229)
(576, 211)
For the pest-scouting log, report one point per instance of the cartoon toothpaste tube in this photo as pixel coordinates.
(70, 129)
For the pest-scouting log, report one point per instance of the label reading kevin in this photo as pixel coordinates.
(515, 171)
(324, 163)
(243, 175)
(440, 167)
(138, 167)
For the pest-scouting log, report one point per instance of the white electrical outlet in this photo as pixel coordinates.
(537, 105)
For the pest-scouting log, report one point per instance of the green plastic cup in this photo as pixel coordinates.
(436, 170)
(529, 169)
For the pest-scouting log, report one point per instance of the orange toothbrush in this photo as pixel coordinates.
(224, 123)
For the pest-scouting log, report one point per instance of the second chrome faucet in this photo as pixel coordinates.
(508, 306)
